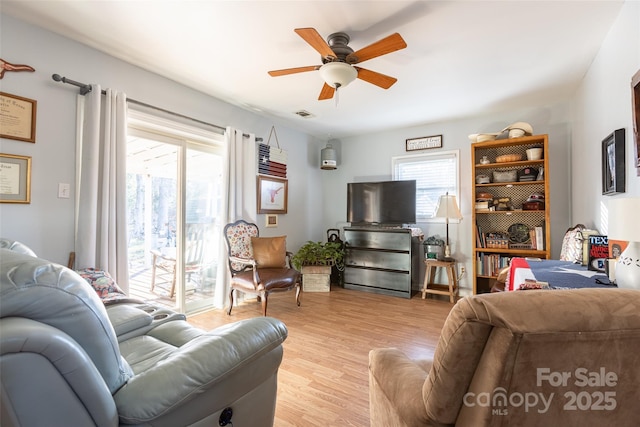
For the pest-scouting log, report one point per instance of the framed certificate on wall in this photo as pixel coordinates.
(17, 117)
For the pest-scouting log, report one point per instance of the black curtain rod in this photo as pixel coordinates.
(85, 89)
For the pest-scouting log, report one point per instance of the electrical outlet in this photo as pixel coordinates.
(463, 270)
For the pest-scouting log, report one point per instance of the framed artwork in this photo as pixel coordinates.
(272, 195)
(271, 220)
(423, 143)
(613, 170)
(635, 109)
(15, 179)
(17, 117)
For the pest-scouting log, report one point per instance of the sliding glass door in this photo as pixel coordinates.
(173, 204)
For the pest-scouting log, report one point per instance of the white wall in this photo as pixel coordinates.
(602, 105)
(46, 224)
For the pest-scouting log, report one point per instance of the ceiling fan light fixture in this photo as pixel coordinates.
(338, 74)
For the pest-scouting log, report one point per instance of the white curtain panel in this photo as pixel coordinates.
(101, 221)
(239, 180)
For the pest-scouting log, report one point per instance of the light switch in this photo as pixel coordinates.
(64, 191)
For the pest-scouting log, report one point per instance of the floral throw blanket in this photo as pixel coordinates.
(104, 285)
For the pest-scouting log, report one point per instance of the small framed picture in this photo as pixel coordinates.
(271, 220)
(635, 109)
(272, 195)
(15, 179)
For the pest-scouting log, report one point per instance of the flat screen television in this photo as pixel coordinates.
(381, 203)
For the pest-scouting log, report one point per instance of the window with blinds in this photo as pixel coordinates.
(435, 175)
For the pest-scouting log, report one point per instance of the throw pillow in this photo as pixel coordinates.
(101, 281)
(572, 245)
(269, 252)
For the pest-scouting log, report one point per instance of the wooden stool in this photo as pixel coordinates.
(435, 288)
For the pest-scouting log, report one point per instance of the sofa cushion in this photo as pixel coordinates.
(269, 252)
(16, 246)
(49, 293)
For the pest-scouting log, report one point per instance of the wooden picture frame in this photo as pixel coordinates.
(15, 179)
(635, 109)
(423, 143)
(17, 117)
(272, 195)
(271, 220)
(613, 163)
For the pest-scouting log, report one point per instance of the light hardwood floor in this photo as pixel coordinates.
(323, 380)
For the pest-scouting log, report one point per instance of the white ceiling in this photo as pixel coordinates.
(463, 57)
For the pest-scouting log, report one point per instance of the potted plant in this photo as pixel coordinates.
(314, 260)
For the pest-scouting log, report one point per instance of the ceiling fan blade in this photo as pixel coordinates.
(286, 71)
(315, 40)
(381, 47)
(375, 78)
(326, 92)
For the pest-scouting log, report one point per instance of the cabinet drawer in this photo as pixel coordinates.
(378, 279)
(400, 241)
(378, 259)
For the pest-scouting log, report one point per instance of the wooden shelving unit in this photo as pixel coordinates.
(487, 261)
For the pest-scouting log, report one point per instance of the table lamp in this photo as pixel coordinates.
(448, 209)
(624, 225)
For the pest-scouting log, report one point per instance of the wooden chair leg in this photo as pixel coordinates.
(230, 302)
(173, 285)
(153, 274)
(451, 284)
(72, 260)
(263, 295)
(298, 294)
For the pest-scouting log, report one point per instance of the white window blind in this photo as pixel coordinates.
(435, 175)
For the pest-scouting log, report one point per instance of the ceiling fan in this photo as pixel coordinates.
(338, 59)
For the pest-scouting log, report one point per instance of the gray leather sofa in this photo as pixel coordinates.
(67, 360)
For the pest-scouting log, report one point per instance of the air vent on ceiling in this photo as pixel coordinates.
(304, 114)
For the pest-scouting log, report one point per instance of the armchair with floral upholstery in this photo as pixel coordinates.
(258, 265)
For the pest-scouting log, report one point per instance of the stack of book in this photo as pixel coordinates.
(537, 238)
(484, 205)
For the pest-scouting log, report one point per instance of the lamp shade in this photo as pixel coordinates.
(447, 208)
(623, 219)
(338, 74)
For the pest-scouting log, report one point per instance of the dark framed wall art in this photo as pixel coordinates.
(635, 109)
(613, 163)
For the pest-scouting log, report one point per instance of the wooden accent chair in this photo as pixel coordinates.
(258, 265)
(194, 259)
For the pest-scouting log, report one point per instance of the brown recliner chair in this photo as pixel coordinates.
(525, 358)
(258, 265)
